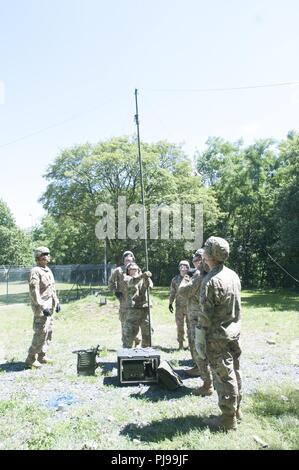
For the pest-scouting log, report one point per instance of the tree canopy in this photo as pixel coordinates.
(250, 196)
(15, 244)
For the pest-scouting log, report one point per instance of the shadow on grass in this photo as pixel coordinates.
(276, 404)
(157, 431)
(112, 381)
(167, 350)
(156, 393)
(276, 300)
(13, 366)
(20, 298)
(107, 367)
(185, 362)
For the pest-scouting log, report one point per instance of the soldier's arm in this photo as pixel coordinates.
(55, 297)
(54, 294)
(195, 285)
(173, 290)
(207, 301)
(112, 281)
(34, 288)
(132, 281)
(147, 283)
(185, 287)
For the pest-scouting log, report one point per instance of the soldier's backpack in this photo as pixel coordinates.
(167, 377)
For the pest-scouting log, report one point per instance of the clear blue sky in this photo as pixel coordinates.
(68, 68)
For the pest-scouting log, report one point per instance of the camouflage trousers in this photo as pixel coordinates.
(42, 337)
(180, 318)
(224, 356)
(203, 365)
(136, 318)
(123, 312)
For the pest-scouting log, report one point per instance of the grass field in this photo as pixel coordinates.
(17, 292)
(53, 408)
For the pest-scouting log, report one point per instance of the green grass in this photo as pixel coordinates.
(106, 416)
(18, 292)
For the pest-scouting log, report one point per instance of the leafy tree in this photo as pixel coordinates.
(84, 176)
(286, 248)
(245, 194)
(15, 244)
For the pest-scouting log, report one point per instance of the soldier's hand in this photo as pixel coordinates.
(58, 308)
(170, 308)
(118, 295)
(47, 312)
(146, 274)
(191, 272)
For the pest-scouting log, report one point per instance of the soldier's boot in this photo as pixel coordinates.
(181, 344)
(222, 423)
(239, 414)
(32, 363)
(205, 390)
(194, 372)
(137, 341)
(43, 359)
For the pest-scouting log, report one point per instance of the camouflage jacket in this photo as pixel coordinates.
(189, 288)
(116, 284)
(42, 289)
(175, 293)
(220, 299)
(137, 295)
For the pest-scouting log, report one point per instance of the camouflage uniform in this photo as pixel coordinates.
(180, 309)
(137, 314)
(116, 284)
(43, 296)
(220, 318)
(190, 289)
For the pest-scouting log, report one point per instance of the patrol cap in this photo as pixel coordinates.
(41, 250)
(184, 262)
(132, 265)
(217, 248)
(127, 253)
(198, 252)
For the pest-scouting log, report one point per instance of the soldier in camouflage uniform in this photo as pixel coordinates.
(43, 302)
(219, 328)
(116, 284)
(180, 304)
(190, 290)
(137, 284)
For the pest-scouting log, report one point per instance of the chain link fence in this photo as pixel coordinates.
(72, 281)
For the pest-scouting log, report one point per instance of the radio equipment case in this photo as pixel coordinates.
(138, 365)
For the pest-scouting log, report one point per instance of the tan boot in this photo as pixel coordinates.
(205, 390)
(222, 423)
(181, 344)
(229, 423)
(32, 363)
(43, 359)
(137, 341)
(194, 372)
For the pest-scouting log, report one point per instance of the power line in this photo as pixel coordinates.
(203, 90)
(279, 265)
(191, 90)
(39, 131)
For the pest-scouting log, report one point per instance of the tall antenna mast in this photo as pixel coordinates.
(143, 207)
